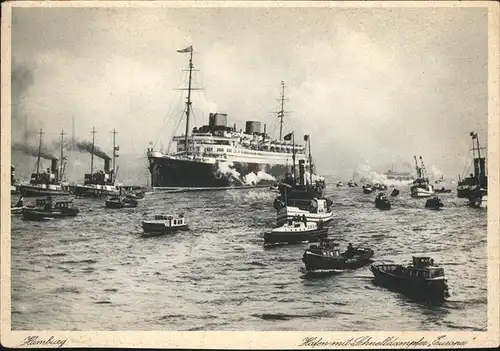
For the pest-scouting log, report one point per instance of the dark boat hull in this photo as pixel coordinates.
(152, 229)
(367, 191)
(31, 191)
(118, 205)
(86, 191)
(35, 215)
(419, 289)
(295, 237)
(315, 261)
(382, 205)
(172, 173)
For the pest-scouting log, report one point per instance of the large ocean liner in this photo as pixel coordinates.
(220, 156)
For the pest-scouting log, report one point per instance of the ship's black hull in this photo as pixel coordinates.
(33, 191)
(172, 173)
(316, 261)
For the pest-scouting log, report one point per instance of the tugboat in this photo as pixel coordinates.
(340, 184)
(101, 183)
(304, 198)
(367, 189)
(45, 208)
(296, 231)
(352, 184)
(434, 203)
(46, 183)
(327, 257)
(478, 179)
(422, 279)
(420, 187)
(162, 224)
(381, 202)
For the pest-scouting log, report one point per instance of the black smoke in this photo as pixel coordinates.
(33, 151)
(86, 146)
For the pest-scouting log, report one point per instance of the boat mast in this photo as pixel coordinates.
(422, 168)
(416, 167)
(92, 154)
(310, 162)
(39, 151)
(62, 159)
(188, 102)
(281, 112)
(293, 156)
(115, 149)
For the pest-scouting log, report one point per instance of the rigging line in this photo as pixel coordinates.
(177, 126)
(168, 117)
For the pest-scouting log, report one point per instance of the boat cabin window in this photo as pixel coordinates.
(297, 225)
(437, 273)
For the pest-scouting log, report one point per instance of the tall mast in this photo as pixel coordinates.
(39, 151)
(310, 162)
(61, 159)
(293, 156)
(422, 168)
(115, 148)
(281, 112)
(92, 154)
(417, 169)
(188, 102)
(25, 129)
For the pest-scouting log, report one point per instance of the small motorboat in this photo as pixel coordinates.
(121, 202)
(352, 184)
(327, 257)
(422, 280)
(381, 202)
(379, 186)
(367, 189)
(395, 192)
(434, 203)
(46, 208)
(296, 231)
(162, 224)
(442, 190)
(340, 184)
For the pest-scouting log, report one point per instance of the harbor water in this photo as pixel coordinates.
(95, 271)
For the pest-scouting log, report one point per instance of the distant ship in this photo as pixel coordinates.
(45, 183)
(218, 156)
(478, 179)
(400, 176)
(100, 183)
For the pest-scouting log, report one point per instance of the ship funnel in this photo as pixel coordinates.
(106, 165)
(301, 172)
(252, 127)
(53, 166)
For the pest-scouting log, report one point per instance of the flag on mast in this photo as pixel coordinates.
(288, 136)
(306, 137)
(188, 49)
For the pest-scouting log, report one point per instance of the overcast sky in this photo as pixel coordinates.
(371, 86)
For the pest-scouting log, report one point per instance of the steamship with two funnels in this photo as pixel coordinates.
(216, 156)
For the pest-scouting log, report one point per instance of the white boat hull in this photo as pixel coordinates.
(422, 193)
(288, 213)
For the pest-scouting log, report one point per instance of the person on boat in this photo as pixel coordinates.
(304, 219)
(320, 224)
(350, 250)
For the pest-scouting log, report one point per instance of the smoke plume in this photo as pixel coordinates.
(86, 146)
(33, 151)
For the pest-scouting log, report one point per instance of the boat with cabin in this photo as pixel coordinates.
(295, 231)
(421, 188)
(367, 189)
(352, 184)
(47, 208)
(382, 202)
(121, 201)
(423, 279)
(434, 203)
(49, 182)
(100, 183)
(162, 224)
(326, 256)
